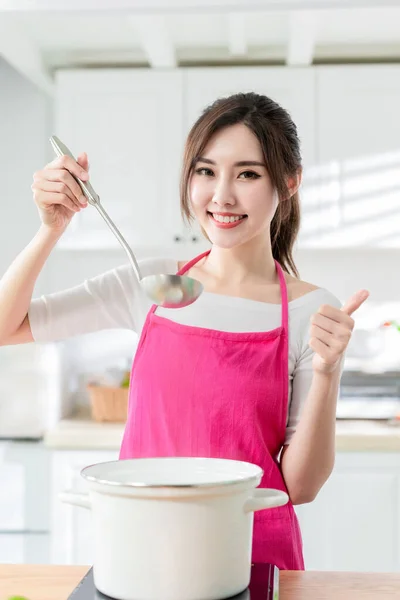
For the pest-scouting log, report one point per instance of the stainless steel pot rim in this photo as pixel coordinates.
(137, 483)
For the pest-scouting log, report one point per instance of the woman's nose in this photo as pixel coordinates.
(223, 195)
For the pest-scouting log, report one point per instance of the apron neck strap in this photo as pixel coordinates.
(284, 297)
(192, 262)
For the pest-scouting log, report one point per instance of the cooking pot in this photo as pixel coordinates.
(173, 528)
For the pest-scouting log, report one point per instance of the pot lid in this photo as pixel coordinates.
(173, 472)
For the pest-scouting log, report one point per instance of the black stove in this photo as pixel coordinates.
(264, 585)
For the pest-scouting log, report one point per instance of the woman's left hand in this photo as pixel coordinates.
(330, 332)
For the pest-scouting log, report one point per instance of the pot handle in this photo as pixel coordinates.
(265, 498)
(76, 499)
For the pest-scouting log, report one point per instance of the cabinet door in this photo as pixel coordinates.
(24, 548)
(11, 503)
(129, 121)
(358, 130)
(71, 532)
(293, 89)
(24, 474)
(353, 523)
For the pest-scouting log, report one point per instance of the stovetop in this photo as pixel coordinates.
(264, 585)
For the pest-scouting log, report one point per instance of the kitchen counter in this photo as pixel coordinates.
(367, 436)
(80, 432)
(57, 582)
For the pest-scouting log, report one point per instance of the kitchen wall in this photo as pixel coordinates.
(25, 125)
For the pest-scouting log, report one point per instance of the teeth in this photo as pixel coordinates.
(222, 219)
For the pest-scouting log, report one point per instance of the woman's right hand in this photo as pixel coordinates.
(56, 193)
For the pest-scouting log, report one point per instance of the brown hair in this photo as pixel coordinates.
(280, 145)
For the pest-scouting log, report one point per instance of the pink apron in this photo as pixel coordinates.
(203, 392)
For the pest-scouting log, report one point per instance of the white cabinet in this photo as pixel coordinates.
(24, 492)
(71, 530)
(12, 493)
(24, 502)
(203, 86)
(353, 525)
(24, 548)
(358, 141)
(129, 121)
(133, 124)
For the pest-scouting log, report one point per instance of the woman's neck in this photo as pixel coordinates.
(249, 263)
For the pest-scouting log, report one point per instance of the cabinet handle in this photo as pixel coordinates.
(177, 238)
(195, 238)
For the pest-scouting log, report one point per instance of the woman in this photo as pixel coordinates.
(241, 373)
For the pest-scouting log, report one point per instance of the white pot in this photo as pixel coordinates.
(173, 528)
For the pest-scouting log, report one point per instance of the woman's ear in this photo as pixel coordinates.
(294, 182)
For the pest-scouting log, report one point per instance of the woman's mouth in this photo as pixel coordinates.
(226, 220)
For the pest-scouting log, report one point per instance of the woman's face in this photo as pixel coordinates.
(231, 192)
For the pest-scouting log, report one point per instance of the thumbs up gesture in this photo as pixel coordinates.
(330, 332)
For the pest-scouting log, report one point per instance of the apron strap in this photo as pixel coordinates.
(192, 262)
(284, 297)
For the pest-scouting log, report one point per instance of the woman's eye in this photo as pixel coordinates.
(249, 175)
(204, 171)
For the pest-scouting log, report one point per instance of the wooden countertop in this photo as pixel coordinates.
(48, 582)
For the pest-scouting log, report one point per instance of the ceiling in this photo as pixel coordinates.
(39, 42)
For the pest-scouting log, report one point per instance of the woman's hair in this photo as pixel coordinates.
(277, 135)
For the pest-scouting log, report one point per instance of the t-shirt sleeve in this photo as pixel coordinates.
(112, 300)
(303, 372)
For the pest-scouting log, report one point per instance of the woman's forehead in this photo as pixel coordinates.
(234, 143)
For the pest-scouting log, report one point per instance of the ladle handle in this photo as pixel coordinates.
(61, 150)
(121, 239)
(94, 199)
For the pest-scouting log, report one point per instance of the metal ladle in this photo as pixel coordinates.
(169, 291)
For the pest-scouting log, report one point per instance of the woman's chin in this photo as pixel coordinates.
(226, 242)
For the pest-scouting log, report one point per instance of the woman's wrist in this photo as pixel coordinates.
(49, 234)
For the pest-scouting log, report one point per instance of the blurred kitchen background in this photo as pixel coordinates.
(124, 84)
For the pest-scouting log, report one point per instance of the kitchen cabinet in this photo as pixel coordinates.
(129, 121)
(358, 150)
(203, 86)
(71, 527)
(133, 123)
(24, 502)
(353, 523)
(24, 548)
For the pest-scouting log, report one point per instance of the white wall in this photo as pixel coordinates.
(25, 128)
(25, 125)
(344, 271)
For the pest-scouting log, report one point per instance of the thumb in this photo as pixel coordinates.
(82, 160)
(355, 301)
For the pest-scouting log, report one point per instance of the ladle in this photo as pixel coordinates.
(169, 291)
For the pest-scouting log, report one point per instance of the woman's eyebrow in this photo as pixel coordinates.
(240, 163)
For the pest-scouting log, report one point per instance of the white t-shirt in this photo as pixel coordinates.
(114, 300)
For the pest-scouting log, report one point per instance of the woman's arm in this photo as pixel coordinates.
(58, 197)
(308, 460)
(16, 287)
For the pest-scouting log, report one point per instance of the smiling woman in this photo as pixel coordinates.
(250, 371)
(248, 161)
